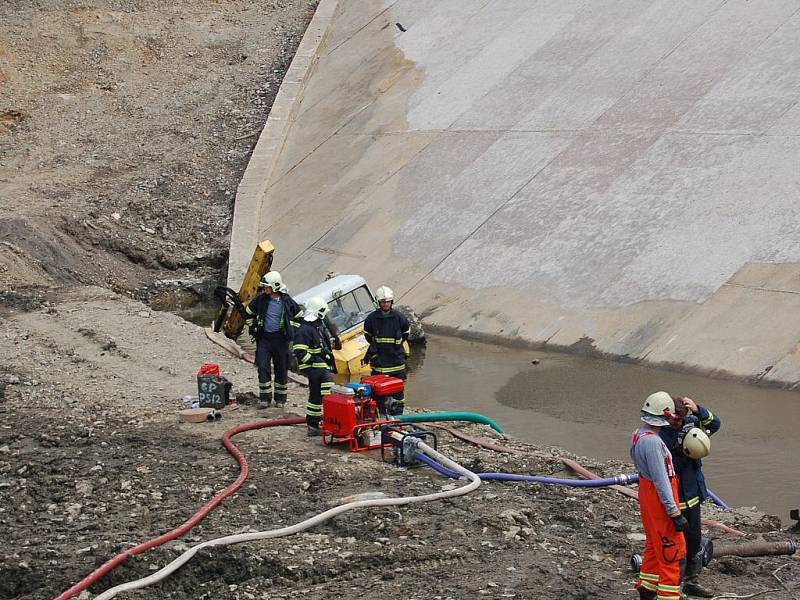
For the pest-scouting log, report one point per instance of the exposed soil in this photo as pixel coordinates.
(125, 126)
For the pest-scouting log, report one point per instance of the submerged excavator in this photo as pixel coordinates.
(348, 296)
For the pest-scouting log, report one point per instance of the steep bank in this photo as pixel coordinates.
(125, 128)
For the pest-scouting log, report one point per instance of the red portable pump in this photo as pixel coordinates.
(350, 415)
(383, 387)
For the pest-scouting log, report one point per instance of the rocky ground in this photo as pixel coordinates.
(125, 126)
(93, 460)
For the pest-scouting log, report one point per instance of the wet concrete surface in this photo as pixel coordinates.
(590, 407)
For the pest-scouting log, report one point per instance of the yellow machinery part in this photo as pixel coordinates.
(348, 359)
(260, 264)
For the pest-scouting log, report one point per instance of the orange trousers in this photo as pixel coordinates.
(664, 547)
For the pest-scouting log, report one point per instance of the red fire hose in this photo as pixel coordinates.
(201, 514)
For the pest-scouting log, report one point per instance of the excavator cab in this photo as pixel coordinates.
(350, 301)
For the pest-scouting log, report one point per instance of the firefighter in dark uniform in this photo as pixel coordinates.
(687, 439)
(387, 331)
(271, 317)
(314, 359)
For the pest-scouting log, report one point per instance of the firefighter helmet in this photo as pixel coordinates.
(384, 293)
(272, 280)
(655, 408)
(317, 308)
(696, 443)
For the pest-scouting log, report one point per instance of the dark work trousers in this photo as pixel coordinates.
(272, 349)
(398, 406)
(692, 537)
(319, 386)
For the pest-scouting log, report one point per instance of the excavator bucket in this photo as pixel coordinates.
(233, 320)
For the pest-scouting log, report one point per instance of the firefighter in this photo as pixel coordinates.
(272, 318)
(314, 359)
(664, 548)
(679, 438)
(387, 331)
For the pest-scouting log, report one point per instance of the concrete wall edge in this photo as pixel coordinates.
(257, 175)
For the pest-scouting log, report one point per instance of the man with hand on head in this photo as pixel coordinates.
(687, 439)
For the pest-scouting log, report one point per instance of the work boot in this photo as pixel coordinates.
(264, 402)
(312, 431)
(693, 588)
(646, 594)
(280, 403)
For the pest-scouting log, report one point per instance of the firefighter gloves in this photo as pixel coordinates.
(681, 524)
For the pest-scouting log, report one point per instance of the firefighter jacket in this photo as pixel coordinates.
(385, 332)
(692, 490)
(256, 315)
(311, 347)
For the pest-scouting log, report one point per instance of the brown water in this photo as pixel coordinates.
(591, 406)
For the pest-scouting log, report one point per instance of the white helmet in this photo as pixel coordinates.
(384, 293)
(316, 308)
(272, 280)
(654, 408)
(696, 443)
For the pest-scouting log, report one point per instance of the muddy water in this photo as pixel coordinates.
(590, 406)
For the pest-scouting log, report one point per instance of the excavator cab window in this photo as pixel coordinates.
(351, 309)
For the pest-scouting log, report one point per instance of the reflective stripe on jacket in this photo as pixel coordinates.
(311, 348)
(385, 332)
(692, 489)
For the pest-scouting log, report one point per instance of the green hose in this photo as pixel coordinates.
(450, 416)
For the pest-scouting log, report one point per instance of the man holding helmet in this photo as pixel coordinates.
(315, 359)
(271, 319)
(687, 439)
(386, 332)
(665, 548)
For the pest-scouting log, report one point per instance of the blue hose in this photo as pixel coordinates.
(585, 483)
(590, 483)
(717, 500)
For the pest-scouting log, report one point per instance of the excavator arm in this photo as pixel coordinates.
(231, 316)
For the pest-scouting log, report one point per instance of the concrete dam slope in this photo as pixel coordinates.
(613, 176)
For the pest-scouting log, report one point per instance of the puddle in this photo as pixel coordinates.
(591, 406)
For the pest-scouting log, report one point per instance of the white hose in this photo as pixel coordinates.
(303, 525)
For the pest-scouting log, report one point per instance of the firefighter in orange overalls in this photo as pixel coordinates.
(665, 547)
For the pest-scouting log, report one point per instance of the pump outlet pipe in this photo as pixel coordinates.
(709, 550)
(450, 416)
(755, 549)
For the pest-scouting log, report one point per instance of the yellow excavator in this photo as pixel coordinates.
(348, 296)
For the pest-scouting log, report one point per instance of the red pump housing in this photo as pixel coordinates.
(352, 418)
(384, 385)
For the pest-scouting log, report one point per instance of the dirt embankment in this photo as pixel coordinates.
(124, 128)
